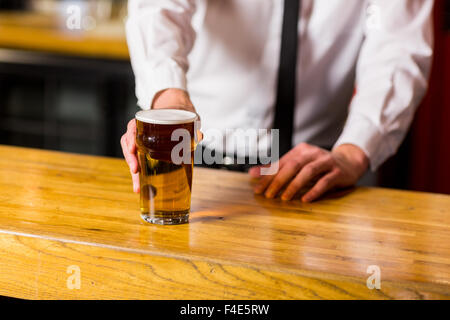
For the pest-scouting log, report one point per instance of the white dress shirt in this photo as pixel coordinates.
(225, 53)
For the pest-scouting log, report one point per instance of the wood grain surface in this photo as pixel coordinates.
(48, 33)
(59, 210)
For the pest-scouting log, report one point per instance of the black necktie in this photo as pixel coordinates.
(285, 103)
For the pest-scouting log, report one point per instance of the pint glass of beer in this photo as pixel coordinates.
(165, 147)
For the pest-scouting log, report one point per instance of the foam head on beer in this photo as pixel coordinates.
(166, 116)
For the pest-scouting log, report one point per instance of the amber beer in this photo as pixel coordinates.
(166, 184)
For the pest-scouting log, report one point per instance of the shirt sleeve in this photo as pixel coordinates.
(391, 76)
(160, 36)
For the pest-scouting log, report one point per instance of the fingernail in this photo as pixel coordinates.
(269, 194)
(285, 197)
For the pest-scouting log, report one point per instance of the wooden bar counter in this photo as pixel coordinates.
(63, 212)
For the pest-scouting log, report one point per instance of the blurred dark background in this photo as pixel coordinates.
(13, 4)
(62, 89)
(73, 90)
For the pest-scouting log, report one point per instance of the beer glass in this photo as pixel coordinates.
(165, 147)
